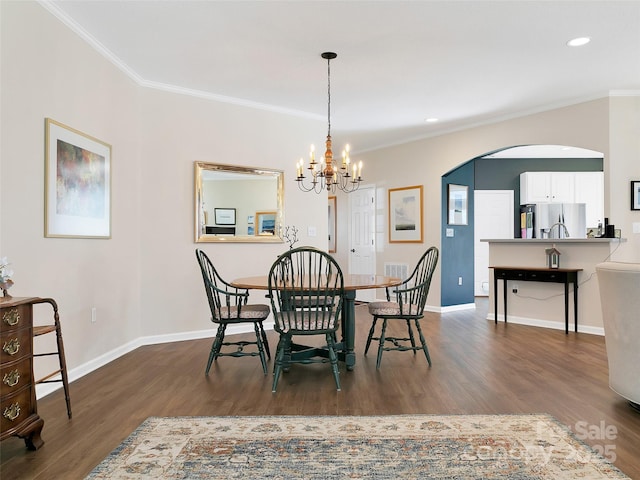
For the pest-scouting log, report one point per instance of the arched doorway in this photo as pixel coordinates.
(496, 170)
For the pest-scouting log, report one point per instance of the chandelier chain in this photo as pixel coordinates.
(329, 96)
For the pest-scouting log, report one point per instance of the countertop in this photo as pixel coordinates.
(552, 240)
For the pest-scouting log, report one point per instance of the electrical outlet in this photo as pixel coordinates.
(93, 315)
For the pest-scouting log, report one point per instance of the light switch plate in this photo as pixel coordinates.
(311, 231)
(449, 232)
(636, 227)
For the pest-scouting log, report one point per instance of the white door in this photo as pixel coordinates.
(362, 251)
(493, 218)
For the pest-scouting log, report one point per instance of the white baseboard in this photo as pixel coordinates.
(45, 389)
(455, 308)
(535, 322)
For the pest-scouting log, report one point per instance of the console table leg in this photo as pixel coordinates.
(495, 299)
(575, 305)
(566, 307)
(504, 293)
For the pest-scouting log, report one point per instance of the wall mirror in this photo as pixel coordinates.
(238, 204)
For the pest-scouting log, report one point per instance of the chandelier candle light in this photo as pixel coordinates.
(326, 174)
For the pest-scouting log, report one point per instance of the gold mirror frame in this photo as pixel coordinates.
(204, 168)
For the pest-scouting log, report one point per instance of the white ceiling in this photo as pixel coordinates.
(399, 62)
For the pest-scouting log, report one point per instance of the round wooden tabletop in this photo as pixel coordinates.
(351, 282)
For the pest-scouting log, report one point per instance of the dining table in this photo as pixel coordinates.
(352, 283)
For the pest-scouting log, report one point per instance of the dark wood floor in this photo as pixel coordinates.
(478, 367)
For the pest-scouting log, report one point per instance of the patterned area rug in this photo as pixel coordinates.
(381, 447)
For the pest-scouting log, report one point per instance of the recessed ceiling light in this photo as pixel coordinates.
(578, 42)
(430, 120)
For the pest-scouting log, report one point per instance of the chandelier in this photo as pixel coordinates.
(326, 174)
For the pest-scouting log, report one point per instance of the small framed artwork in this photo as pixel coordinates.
(405, 215)
(458, 204)
(225, 216)
(635, 195)
(332, 224)
(250, 227)
(77, 184)
(265, 223)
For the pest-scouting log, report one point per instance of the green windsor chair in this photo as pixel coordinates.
(306, 287)
(228, 305)
(404, 302)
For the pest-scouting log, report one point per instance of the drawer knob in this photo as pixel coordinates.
(11, 412)
(12, 317)
(12, 346)
(12, 378)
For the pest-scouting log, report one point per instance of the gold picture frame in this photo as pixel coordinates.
(77, 184)
(405, 215)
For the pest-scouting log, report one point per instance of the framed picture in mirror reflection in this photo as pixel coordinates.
(225, 216)
(265, 223)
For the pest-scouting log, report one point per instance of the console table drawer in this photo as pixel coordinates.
(15, 408)
(14, 375)
(15, 345)
(556, 277)
(510, 275)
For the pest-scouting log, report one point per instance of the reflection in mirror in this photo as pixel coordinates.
(238, 204)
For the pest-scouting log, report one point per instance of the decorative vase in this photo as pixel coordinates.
(5, 286)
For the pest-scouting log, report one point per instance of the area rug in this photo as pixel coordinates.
(355, 447)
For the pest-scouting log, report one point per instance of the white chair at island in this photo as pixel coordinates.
(619, 285)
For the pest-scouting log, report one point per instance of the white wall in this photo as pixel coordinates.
(621, 167)
(47, 71)
(144, 281)
(175, 131)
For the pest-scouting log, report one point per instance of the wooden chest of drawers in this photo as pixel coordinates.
(18, 409)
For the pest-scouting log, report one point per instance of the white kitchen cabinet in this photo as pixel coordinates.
(589, 189)
(566, 187)
(547, 187)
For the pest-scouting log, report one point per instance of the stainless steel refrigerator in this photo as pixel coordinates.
(560, 220)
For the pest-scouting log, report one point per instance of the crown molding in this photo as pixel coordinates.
(131, 73)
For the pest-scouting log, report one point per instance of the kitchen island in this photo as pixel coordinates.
(542, 303)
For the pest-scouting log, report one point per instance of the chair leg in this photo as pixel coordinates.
(424, 343)
(371, 331)
(265, 341)
(216, 346)
(277, 370)
(381, 344)
(260, 345)
(411, 338)
(334, 360)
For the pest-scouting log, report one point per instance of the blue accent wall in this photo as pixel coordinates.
(457, 252)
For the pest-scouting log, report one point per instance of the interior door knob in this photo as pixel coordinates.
(353, 250)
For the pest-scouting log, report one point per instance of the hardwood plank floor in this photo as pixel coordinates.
(478, 367)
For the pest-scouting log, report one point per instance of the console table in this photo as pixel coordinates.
(532, 274)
